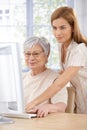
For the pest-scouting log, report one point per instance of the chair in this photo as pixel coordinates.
(71, 100)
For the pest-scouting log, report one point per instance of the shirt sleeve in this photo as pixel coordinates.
(77, 56)
(61, 96)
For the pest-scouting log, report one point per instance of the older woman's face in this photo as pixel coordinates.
(35, 57)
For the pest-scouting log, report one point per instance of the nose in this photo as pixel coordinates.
(30, 57)
(58, 32)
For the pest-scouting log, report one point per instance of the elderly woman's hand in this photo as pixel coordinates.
(41, 110)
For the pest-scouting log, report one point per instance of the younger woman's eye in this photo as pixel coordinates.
(62, 27)
(54, 28)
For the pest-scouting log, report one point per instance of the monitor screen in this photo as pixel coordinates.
(11, 91)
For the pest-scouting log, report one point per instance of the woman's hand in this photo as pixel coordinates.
(41, 110)
(44, 109)
(29, 106)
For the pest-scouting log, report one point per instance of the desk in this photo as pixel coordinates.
(55, 121)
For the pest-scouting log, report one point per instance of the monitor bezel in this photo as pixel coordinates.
(18, 75)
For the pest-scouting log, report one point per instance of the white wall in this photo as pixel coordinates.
(81, 11)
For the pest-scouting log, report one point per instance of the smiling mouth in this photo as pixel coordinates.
(31, 63)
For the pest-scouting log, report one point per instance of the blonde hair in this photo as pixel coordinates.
(69, 15)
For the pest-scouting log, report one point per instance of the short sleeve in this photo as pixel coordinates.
(61, 96)
(77, 56)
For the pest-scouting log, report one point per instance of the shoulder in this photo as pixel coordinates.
(25, 74)
(77, 55)
(53, 72)
(79, 46)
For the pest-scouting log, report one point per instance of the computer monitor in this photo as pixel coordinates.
(11, 89)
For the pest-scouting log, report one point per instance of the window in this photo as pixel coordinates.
(22, 18)
(13, 21)
(42, 11)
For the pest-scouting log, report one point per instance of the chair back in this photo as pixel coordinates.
(71, 100)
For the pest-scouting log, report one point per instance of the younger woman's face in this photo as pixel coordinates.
(62, 31)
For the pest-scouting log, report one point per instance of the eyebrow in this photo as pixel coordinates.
(35, 51)
(64, 25)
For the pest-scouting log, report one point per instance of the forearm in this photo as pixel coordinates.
(58, 107)
(55, 87)
(49, 92)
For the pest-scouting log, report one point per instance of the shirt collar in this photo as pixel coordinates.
(71, 45)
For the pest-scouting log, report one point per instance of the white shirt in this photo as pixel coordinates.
(77, 56)
(35, 85)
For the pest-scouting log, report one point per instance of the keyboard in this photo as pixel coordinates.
(20, 115)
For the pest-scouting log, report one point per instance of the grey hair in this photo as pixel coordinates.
(42, 41)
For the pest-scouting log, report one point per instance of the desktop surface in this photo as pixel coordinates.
(55, 121)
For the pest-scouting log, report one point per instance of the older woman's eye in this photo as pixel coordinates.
(27, 53)
(36, 54)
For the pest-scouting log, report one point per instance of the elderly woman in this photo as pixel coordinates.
(36, 81)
